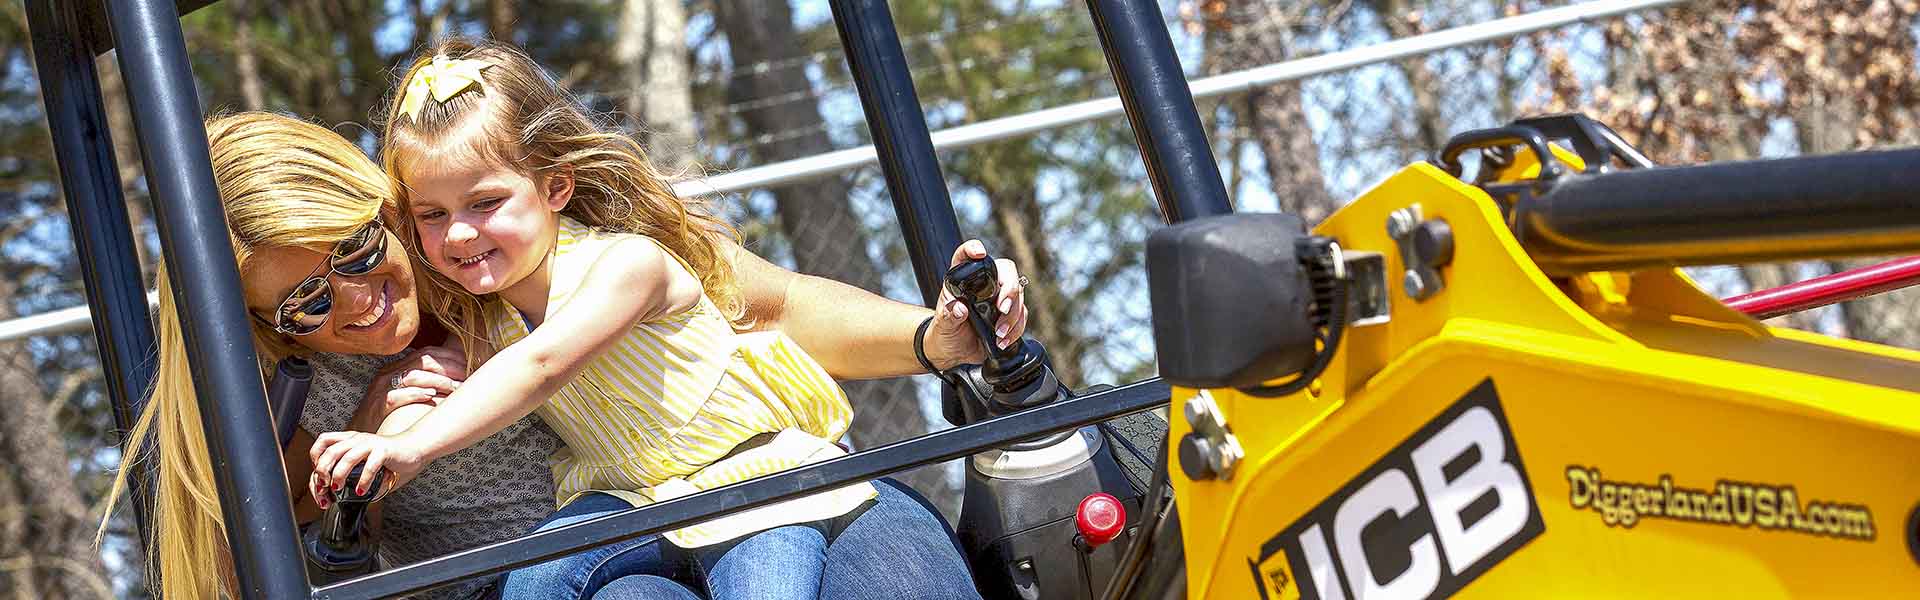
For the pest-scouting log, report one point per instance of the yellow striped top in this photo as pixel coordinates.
(651, 418)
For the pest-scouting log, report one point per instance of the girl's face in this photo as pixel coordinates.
(375, 313)
(488, 227)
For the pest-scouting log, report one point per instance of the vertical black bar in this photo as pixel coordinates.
(1186, 180)
(97, 213)
(900, 136)
(206, 284)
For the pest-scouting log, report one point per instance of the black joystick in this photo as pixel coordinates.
(338, 546)
(977, 283)
(1012, 378)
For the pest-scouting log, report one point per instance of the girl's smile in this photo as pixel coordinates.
(487, 226)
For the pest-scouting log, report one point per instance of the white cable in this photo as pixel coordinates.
(65, 320)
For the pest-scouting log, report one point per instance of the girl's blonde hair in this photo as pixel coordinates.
(529, 124)
(285, 183)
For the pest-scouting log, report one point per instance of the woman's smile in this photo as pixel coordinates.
(378, 315)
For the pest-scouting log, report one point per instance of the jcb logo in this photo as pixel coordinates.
(1429, 517)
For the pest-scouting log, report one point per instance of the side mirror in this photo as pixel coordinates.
(1231, 300)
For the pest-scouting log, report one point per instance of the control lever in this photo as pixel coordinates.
(1012, 378)
(338, 546)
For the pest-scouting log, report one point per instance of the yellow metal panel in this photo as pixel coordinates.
(1614, 390)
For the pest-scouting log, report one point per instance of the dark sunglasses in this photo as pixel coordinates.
(306, 308)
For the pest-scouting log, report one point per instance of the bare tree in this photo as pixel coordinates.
(500, 19)
(656, 92)
(1246, 34)
(46, 537)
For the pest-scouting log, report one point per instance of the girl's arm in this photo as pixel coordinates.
(856, 334)
(640, 283)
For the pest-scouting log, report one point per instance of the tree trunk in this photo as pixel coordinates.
(1429, 126)
(46, 545)
(1257, 33)
(245, 62)
(817, 217)
(658, 96)
(500, 19)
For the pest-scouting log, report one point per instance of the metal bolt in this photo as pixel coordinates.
(1196, 412)
(1415, 284)
(1224, 458)
(1399, 223)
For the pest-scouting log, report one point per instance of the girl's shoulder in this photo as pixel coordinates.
(584, 245)
(586, 241)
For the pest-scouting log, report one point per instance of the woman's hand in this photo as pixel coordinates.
(424, 377)
(951, 341)
(335, 454)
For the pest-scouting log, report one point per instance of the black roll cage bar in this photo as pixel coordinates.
(68, 35)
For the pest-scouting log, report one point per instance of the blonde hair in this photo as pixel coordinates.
(284, 183)
(534, 127)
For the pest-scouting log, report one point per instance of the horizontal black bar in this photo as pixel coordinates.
(680, 512)
(1864, 203)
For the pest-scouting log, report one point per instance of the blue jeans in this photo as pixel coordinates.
(898, 548)
(634, 568)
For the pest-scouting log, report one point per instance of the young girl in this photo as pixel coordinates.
(606, 306)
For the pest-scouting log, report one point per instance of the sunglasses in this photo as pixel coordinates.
(306, 308)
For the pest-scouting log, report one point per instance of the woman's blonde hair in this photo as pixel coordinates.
(529, 124)
(285, 183)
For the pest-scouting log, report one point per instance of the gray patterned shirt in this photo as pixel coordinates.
(496, 490)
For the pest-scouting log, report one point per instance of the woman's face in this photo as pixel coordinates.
(374, 313)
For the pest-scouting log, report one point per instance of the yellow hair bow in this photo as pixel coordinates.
(443, 79)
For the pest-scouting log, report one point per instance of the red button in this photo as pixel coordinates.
(1100, 517)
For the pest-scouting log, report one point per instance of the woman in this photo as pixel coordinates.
(304, 208)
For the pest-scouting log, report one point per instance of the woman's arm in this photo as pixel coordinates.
(643, 284)
(857, 334)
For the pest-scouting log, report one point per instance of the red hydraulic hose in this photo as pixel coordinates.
(1829, 289)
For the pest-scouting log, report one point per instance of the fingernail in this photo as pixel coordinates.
(1001, 331)
(958, 310)
(1006, 304)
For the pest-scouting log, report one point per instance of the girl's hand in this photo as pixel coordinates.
(424, 377)
(335, 455)
(950, 341)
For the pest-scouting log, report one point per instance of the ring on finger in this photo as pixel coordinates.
(1023, 281)
(394, 384)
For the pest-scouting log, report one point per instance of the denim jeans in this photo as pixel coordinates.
(634, 568)
(898, 548)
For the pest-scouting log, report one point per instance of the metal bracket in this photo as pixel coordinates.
(1367, 288)
(1210, 451)
(1425, 246)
